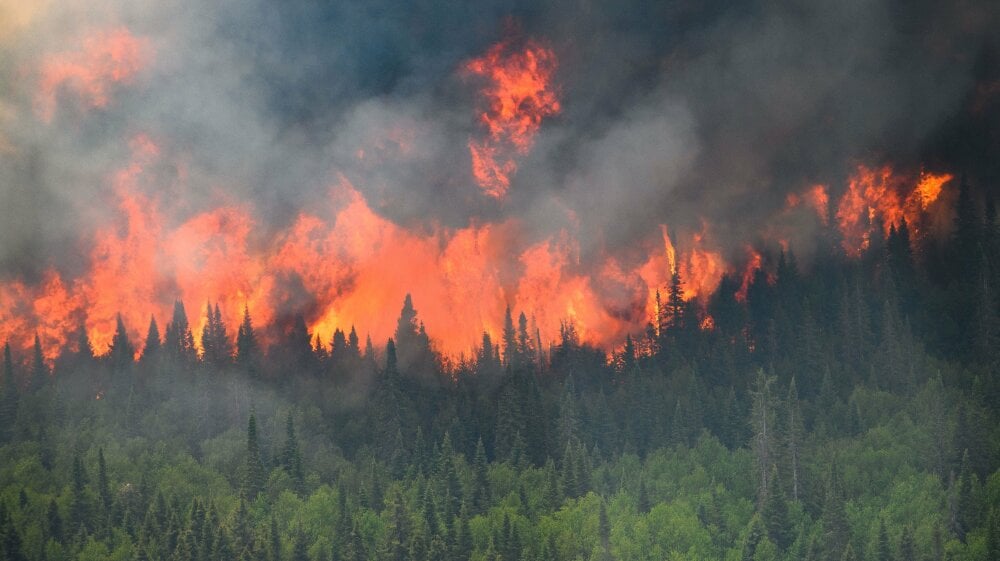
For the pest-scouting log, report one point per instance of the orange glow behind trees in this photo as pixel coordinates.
(881, 197)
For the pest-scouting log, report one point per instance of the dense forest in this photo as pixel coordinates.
(842, 410)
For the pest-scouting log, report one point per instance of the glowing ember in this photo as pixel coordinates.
(105, 59)
(518, 95)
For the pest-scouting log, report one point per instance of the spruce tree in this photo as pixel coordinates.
(882, 550)
(103, 491)
(10, 398)
(247, 348)
(79, 507)
(122, 351)
(39, 370)
(291, 457)
(253, 480)
(178, 341)
(153, 345)
(794, 439)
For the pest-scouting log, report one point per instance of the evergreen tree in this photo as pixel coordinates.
(833, 519)
(39, 370)
(103, 490)
(510, 357)
(84, 348)
(54, 524)
(79, 507)
(993, 534)
(299, 551)
(11, 545)
(604, 533)
(253, 480)
(291, 457)
(11, 397)
(178, 341)
(218, 351)
(764, 431)
(642, 500)
(775, 515)
(121, 351)
(481, 484)
(794, 440)
(882, 552)
(907, 547)
(525, 346)
(247, 348)
(151, 349)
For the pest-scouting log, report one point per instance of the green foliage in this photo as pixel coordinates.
(779, 436)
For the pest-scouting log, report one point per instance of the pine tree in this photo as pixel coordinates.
(11, 545)
(79, 509)
(882, 552)
(39, 370)
(218, 351)
(525, 346)
(775, 515)
(291, 457)
(299, 551)
(247, 347)
(253, 482)
(993, 534)
(833, 519)
(676, 306)
(54, 524)
(604, 533)
(451, 499)
(509, 340)
(84, 348)
(103, 490)
(151, 349)
(907, 547)
(481, 484)
(642, 501)
(764, 433)
(178, 341)
(794, 439)
(10, 399)
(121, 351)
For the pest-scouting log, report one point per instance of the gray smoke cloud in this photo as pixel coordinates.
(673, 112)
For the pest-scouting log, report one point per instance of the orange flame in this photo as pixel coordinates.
(880, 195)
(349, 266)
(105, 59)
(700, 269)
(754, 263)
(518, 95)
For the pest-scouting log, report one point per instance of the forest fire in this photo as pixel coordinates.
(349, 266)
(880, 198)
(518, 94)
(352, 268)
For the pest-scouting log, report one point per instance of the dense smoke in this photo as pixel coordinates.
(677, 113)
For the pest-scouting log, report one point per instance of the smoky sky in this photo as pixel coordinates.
(673, 113)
